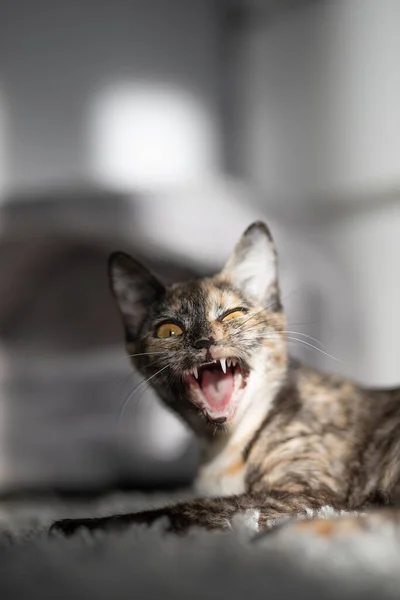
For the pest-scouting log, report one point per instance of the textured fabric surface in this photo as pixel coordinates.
(146, 563)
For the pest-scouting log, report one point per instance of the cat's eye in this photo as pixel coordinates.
(234, 314)
(167, 330)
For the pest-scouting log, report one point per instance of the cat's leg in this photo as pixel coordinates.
(210, 513)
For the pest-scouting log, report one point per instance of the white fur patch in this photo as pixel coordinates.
(327, 512)
(248, 520)
(214, 476)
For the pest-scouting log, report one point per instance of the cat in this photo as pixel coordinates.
(278, 438)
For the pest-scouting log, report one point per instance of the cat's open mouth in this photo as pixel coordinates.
(216, 387)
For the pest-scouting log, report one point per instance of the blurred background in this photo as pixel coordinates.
(164, 128)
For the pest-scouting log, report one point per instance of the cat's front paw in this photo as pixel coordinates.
(68, 527)
(175, 522)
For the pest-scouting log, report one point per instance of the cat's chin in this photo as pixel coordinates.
(216, 388)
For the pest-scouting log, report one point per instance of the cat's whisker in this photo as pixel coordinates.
(277, 335)
(309, 337)
(138, 398)
(300, 341)
(251, 317)
(266, 308)
(300, 333)
(136, 389)
(154, 362)
(140, 354)
(122, 380)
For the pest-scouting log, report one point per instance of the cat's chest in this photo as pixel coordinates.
(223, 476)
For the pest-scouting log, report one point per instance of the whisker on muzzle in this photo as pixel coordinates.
(136, 389)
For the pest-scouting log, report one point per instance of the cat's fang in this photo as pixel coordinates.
(195, 372)
(223, 364)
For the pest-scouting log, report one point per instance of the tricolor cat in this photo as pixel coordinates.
(276, 436)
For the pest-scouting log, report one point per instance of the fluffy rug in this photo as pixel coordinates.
(145, 563)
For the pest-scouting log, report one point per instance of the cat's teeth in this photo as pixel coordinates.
(228, 362)
(223, 364)
(234, 361)
(195, 372)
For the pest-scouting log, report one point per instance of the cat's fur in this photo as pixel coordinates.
(291, 439)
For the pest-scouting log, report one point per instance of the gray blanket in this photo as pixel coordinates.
(146, 563)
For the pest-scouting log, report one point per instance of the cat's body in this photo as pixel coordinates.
(276, 437)
(323, 434)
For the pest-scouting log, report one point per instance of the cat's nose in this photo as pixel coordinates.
(203, 343)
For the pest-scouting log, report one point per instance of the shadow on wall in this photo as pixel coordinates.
(64, 377)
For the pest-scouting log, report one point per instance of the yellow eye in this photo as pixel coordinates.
(168, 330)
(234, 315)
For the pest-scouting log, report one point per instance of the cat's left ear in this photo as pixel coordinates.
(135, 290)
(253, 266)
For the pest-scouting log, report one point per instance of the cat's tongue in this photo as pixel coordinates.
(217, 388)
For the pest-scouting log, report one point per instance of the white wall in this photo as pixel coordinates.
(66, 68)
(319, 93)
(367, 243)
(318, 97)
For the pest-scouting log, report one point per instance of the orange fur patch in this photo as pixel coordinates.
(330, 527)
(235, 467)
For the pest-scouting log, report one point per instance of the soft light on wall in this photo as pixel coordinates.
(150, 136)
(2, 146)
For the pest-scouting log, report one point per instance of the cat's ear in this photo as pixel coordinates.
(134, 288)
(253, 266)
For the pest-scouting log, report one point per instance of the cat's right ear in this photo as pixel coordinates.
(253, 266)
(135, 289)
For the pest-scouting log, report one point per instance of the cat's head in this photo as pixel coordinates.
(211, 347)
